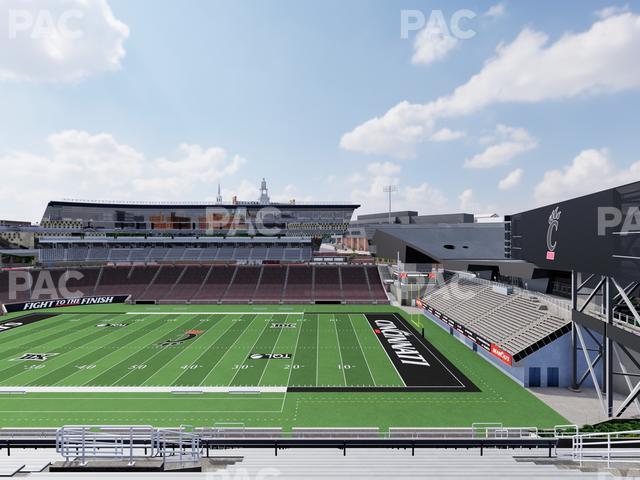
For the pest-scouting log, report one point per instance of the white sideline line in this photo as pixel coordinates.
(215, 313)
(21, 390)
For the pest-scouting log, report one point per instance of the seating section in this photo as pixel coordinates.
(299, 285)
(514, 322)
(215, 285)
(327, 284)
(204, 284)
(355, 285)
(243, 285)
(271, 284)
(58, 255)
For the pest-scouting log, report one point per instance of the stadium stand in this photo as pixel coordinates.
(515, 321)
(57, 255)
(328, 285)
(271, 284)
(205, 284)
(162, 283)
(299, 284)
(214, 286)
(243, 286)
(355, 285)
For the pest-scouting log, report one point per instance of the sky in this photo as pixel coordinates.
(471, 106)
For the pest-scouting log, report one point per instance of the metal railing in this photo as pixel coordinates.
(616, 447)
(85, 443)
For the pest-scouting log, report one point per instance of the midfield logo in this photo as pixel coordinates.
(283, 325)
(113, 325)
(189, 335)
(36, 357)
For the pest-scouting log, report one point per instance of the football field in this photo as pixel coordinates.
(223, 349)
(261, 366)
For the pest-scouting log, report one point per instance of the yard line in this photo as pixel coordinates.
(44, 373)
(228, 350)
(128, 356)
(295, 349)
(216, 313)
(184, 351)
(335, 324)
(317, 350)
(275, 344)
(109, 338)
(148, 359)
(250, 350)
(362, 351)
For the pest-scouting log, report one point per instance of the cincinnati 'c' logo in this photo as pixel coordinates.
(554, 221)
(189, 335)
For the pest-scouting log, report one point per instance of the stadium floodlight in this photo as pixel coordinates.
(390, 189)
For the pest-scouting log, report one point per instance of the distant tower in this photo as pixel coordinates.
(219, 197)
(264, 193)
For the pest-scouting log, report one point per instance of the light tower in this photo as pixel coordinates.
(390, 189)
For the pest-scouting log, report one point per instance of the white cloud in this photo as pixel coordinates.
(592, 170)
(511, 142)
(81, 165)
(370, 193)
(468, 203)
(54, 41)
(529, 69)
(512, 180)
(495, 11)
(432, 43)
(467, 200)
(611, 11)
(446, 135)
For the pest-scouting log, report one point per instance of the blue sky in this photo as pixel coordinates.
(165, 99)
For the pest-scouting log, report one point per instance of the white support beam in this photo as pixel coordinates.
(596, 384)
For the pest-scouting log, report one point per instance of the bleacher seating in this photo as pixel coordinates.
(58, 255)
(327, 284)
(514, 321)
(243, 286)
(299, 284)
(214, 283)
(355, 284)
(271, 284)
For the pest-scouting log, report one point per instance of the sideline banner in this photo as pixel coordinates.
(64, 302)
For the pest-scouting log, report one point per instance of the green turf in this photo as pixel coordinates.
(331, 346)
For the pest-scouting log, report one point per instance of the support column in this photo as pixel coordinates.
(608, 345)
(574, 342)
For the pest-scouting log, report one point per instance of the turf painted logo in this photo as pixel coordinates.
(283, 325)
(269, 356)
(554, 222)
(400, 342)
(112, 325)
(36, 357)
(188, 335)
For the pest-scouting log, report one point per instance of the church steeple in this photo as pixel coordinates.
(264, 193)
(219, 197)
